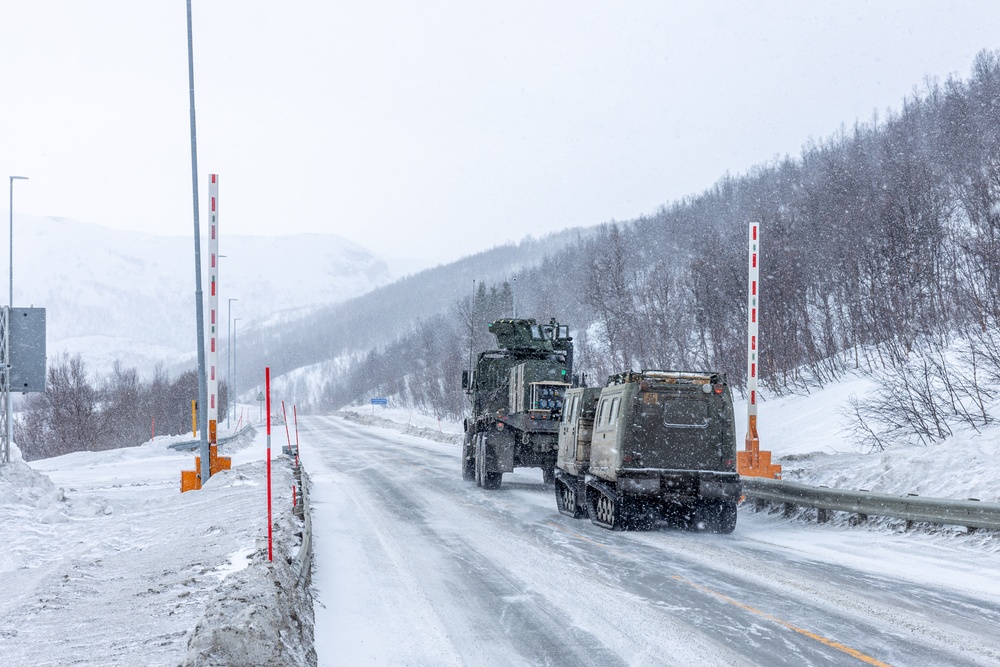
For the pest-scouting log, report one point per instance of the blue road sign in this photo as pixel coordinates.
(380, 401)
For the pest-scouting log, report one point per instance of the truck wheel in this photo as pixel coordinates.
(477, 462)
(491, 480)
(484, 478)
(468, 462)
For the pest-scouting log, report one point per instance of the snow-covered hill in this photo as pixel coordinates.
(113, 294)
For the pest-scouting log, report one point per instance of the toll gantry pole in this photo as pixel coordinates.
(213, 308)
(752, 462)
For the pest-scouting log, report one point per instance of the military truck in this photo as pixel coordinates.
(517, 394)
(651, 445)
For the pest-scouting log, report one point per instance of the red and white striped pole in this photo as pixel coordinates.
(267, 394)
(752, 462)
(752, 440)
(213, 308)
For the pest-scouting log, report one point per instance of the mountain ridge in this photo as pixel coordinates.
(127, 295)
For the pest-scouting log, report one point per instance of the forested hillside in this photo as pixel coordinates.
(349, 329)
(881, 246)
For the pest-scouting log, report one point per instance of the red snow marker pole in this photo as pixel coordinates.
(284, 415)
(267, 384)
(294, 503)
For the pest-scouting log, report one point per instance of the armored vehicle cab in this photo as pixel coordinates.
(663, 445)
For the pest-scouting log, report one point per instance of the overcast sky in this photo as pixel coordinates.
(437, 129)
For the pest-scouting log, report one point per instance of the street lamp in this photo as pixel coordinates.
(12, 179)
(229, 357)
(235, 320)
(6, 352)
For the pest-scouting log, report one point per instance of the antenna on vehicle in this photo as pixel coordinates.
(472, 325)
(513, 297)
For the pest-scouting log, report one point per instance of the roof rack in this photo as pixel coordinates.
(668, 377)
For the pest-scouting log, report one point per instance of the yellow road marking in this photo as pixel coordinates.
(812, 635)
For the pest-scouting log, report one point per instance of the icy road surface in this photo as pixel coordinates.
(416, 567)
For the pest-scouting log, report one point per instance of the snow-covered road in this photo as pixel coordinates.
(416, 567)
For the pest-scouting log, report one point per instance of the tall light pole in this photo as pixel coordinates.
(235, 367)
(12, 179)
(229, 357)
(8, 403)
(198, 302)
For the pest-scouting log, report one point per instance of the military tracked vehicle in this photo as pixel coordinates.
(649, 446)
(517, 393)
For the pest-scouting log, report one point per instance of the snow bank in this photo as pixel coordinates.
(259, 615)
(20, 485)
(106, 562)
(806, 433)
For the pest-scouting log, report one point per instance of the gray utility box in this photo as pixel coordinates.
(27, 350)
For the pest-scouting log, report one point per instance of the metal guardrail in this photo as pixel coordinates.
(194, 444)
(969, 513)
(304, 556)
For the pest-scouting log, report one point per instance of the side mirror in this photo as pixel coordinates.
(465, 379)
